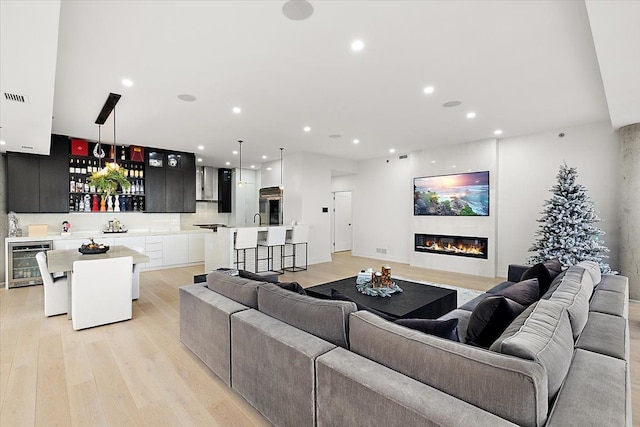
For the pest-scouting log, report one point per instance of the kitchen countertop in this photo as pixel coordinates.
(97, 234)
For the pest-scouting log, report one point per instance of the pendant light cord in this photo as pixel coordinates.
(281, 148)
(114, 134)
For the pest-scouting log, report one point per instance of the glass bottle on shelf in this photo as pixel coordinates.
(72, 205)
(77, 166)
(72, 167)
(86, 187)
(83, 167)
(141, 187)
(79, 186)
(72, 185)
(141, 173)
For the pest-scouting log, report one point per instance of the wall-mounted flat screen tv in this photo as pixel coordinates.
(463, 194)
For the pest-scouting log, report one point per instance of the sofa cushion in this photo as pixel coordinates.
(326, 319)
(593, 269)
(462, 316)
(594, 393)
(447, 329)
(338, 296)
(605, 334)
(540, 272)
(490, 318)
(512, 388)
(244, 291)
(526, 292)
(610, 302)
(614, 283)
(292, 286)
(542, 333)
(271, 278)
(574, 292)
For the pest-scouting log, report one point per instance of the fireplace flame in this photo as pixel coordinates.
(460, 248)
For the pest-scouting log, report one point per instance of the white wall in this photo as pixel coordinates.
(343, 183)
(382, 209)
(528, 168)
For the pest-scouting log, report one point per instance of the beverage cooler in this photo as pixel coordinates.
(23, 267)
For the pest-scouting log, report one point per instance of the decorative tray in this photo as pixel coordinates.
(87, 251)
(114, 232)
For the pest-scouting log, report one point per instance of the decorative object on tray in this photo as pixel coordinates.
(115, 226)
(377, 283)
(93, 248)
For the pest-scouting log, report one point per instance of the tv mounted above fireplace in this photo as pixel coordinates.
(463, 194)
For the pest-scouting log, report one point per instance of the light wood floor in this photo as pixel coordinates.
(137, 372)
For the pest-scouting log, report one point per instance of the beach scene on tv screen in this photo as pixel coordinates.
(465, 194)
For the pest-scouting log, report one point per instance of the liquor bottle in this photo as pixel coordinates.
(86, 187)
(83, 167)
(72, 206)
(141, 204)
(94, 204)
(135, 172)
(135, 203)
(89, 167)
(87, 203)
(72, 168)
(122, 153)
(77, 166)
(92, 188)
(141, 173)
(141, 187)
(125, 171)
(76, 203)
(123, 203)
(79, 186)
(72, 185)
(81, 205)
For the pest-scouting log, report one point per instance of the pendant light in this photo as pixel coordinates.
(98, 152)
(240, 169)
(281, 186)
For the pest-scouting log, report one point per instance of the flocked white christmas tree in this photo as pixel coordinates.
(567, 229)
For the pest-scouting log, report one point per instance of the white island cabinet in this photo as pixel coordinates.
(175, 249)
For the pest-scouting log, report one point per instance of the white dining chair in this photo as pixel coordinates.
(101, 291)
(56, 291)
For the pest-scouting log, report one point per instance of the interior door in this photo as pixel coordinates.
(342, 229)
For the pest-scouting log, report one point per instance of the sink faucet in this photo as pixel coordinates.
(259, 219)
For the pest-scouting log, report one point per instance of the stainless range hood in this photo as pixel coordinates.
(206, 184)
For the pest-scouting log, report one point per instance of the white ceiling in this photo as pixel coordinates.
(522, 66)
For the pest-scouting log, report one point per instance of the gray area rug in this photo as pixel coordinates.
(464, 295)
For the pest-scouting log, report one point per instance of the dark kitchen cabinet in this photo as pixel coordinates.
(170, 182)
(39, 184)
(224, 190)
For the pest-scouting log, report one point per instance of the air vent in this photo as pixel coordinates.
(14, 97)
(404, 156)
(27, 147)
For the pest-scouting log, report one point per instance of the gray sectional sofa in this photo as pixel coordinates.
(303, 361)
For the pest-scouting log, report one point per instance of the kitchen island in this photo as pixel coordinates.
(219, 252)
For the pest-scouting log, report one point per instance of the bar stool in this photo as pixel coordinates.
(275, 237)
(299, 236)
(246, 238)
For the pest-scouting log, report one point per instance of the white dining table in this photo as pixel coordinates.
(61, 261)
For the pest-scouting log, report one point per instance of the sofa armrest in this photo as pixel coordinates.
(515, 272)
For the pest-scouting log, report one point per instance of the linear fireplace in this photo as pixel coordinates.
(474, 247)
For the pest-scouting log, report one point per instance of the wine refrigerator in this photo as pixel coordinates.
(23, 268)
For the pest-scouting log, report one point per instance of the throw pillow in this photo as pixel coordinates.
(490, 318)
(336, 295)
(258, 278)
(292, 286)
(540, 272)
(554, 267)
(526, 292)
(447, 329)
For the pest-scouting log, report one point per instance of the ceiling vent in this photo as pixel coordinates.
(404, 156)
(14, 97)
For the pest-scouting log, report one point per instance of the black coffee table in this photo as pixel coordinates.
(417, 300)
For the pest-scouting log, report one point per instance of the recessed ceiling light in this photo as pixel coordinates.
(200, 147)
(471, 115)
(498, 132)
(187, 97)
(433, 161)
(199, 159)
(227, 163)
(253, 166)
(297, 10)
(356, 141)
(357, 45)
(392, 150)
(428, 89)
(451, 104)
(236, 110)
(306, 129)
(269, 169)
(127, 82)
(2, 142)
(234, 152)
(453, 166)
(264, 157)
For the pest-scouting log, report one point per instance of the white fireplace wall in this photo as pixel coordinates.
(460, 158)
